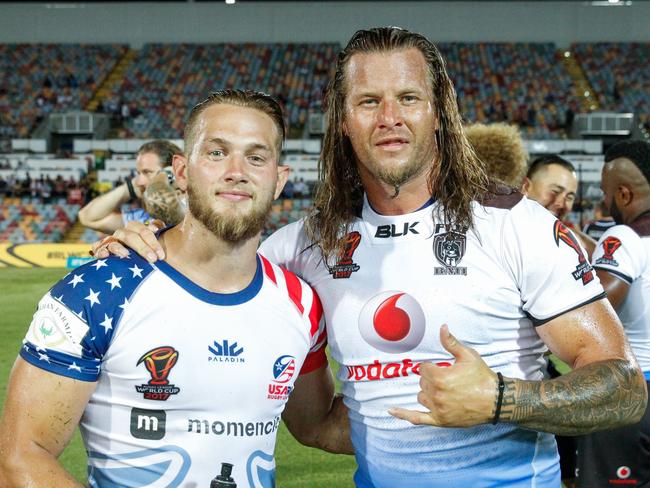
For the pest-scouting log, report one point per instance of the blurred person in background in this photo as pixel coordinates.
(552, 182)
(622, 262)
(501, 148)
(105, 214)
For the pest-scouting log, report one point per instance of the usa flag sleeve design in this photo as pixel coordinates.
(74, 322)
(549, 264)
(620, 252)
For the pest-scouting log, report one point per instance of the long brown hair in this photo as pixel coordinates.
(456, 179)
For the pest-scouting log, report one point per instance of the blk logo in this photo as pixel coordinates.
(392, 321)
(391, 230)
(148, 424)
(224, 351)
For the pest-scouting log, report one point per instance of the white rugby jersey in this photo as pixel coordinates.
(186, 379)
(625, 252)
(385, 297)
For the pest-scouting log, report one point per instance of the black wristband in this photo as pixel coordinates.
(502, 387)
(129, 186)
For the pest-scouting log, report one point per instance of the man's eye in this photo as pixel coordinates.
(369, 102)
(216, 153)
(409, 98)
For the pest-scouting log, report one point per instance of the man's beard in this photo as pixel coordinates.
(397, 177)
(616, 213)
(229, 226)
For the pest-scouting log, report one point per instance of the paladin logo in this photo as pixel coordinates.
(344, 266)
(148, 424)
(583, 270)
(159, 362)
(225, 352)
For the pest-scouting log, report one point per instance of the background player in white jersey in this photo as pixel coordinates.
(622, 262)
(175, 368)
(406, 237)
(552, 182)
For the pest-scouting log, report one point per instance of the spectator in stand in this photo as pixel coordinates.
(288, 191)
(104, 212)
(300, 189)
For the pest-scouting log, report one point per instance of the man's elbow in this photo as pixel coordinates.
(14, 464)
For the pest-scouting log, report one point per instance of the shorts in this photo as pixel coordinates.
(618, 457)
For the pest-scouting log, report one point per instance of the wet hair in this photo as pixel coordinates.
(165, 150)
(241, 98)
(636, 151)
(456, 177)
(543, 161)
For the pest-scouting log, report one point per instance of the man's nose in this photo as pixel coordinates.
(390, 114)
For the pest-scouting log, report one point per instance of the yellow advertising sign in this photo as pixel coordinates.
(39, 255)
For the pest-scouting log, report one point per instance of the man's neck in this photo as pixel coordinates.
(389, 200)
(210, 262)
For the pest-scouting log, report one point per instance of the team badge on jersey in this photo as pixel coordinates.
(449, 249)
(344, 266)
(583, 270)
(610, 245)
(159, 362)
(284, 368)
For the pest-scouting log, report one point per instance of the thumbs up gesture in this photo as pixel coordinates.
(461, 395)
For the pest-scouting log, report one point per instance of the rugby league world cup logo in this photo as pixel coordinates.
(345, 266)
(159, 362)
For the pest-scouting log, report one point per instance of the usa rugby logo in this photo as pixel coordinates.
(392, 321)
(284, 368)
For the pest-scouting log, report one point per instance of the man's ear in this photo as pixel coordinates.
(179, 163)
(624, 196)
(283, 176)
(525, 186)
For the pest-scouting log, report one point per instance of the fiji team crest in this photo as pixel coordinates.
(449, 249)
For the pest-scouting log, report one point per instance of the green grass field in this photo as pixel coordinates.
(20, 290)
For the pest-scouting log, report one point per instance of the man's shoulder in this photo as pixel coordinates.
(501, 196)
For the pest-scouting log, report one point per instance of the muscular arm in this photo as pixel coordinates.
(103, 213)
(615, 287)
(315, 416)
(606, 388)
(41, 413)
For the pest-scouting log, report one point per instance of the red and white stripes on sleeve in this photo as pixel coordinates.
(309, 307)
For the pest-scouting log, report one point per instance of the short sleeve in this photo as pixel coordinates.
(621, 253)
(547, 262)
(74, 322)
(316, 356)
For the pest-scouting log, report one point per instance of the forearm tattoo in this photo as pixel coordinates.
(599, 396)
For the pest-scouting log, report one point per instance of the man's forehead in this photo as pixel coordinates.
(240, 124)
(403, 64)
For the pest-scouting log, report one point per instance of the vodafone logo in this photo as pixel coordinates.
(392, 321)
(623, 472)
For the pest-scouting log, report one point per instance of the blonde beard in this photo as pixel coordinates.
(230, 228)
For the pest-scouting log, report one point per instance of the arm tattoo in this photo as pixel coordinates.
(599, 396)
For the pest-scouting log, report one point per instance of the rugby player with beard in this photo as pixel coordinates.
(174, 368)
